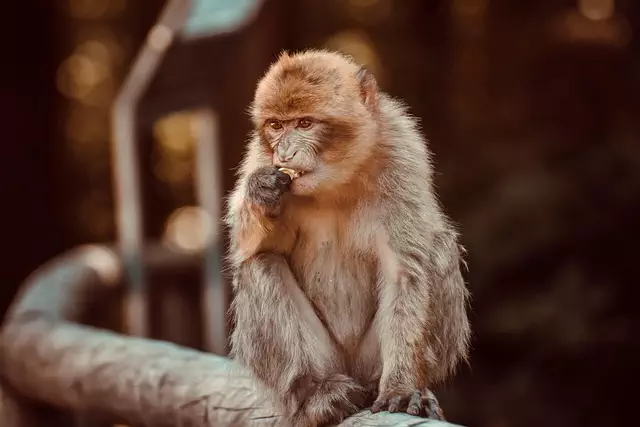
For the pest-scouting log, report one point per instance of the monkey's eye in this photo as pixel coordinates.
(275, 125)
(305, 123)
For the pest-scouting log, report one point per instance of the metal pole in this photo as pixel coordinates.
(209, 194)
(126, 162)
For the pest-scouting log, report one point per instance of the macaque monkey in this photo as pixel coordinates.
(347, 283)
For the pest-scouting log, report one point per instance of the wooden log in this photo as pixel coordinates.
(48, 359)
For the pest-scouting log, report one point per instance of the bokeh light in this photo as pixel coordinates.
(173, 160)
(597, 10)
(189, 229)
(359, 46)
(593, 22)
(369, 12)
(88, 77)
(93, 9)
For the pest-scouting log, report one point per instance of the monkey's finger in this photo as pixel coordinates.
(277, 180)
(283, 179)
(415, 404)
(379, 405)
(396, 403)
(432, 407)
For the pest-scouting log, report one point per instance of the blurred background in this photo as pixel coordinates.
(532, 109)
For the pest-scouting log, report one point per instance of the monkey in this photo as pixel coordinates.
(347, 284)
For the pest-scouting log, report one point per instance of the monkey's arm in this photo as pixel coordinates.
(254, 216)
(250, 226)
(422, 318)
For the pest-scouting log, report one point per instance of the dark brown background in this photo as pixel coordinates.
(532, 110)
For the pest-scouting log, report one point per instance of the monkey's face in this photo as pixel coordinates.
(302, 144)
(310, 118)
(316, 148)
(292, 143)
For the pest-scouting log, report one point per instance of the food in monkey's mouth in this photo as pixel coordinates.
(293, 174)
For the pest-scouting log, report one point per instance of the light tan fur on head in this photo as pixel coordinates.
(328, 90)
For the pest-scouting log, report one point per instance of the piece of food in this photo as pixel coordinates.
(292, 174)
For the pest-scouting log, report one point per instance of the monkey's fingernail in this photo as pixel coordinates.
(283, 180)
(412, 410)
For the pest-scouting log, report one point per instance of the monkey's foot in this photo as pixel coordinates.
(420, 403)
(330, 401)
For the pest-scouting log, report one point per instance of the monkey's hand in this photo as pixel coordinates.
(254, 207)
(420, 403)
(265, 188)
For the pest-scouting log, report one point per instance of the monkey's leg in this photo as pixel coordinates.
(279, 337)
(403, 386)
(422, 326)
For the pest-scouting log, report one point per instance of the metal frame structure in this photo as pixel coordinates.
(179, 19)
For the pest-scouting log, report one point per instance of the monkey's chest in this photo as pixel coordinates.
(340, 284)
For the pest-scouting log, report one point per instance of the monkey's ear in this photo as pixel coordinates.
(368, 88)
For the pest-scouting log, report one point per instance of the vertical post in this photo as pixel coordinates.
(129, 218)
(209, 193)
(125, 158)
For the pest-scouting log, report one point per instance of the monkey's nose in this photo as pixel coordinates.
(286, 156)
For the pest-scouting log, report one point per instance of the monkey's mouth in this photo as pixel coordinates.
(293, 174)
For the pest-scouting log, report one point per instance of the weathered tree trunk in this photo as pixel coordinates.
(47, 358)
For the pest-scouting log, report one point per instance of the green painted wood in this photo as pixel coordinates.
(366, 418)
(212, 17)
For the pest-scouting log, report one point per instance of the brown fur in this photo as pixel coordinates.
(351, 285)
